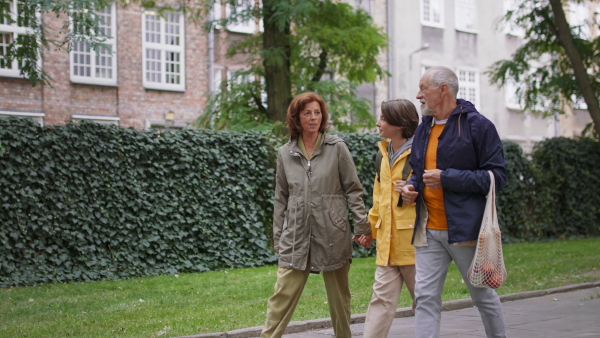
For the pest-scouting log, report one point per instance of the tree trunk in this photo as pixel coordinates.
(276, 59)
(565, 38)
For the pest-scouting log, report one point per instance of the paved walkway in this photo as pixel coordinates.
(565, 312)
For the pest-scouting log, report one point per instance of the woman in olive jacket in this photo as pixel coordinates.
(316, 183)
(392, 224)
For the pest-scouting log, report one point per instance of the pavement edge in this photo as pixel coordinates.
(324, 323)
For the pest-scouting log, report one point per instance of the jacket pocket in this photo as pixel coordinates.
(405, 223)
(337, 220)
(335, 207)
(405, 218)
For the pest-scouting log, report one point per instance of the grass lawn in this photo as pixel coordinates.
(185, 304)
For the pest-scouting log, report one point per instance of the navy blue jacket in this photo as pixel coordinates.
(468, 147)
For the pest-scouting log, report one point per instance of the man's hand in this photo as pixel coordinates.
(433, 179)
(409, 195)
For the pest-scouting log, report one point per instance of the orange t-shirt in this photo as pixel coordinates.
(434, 199)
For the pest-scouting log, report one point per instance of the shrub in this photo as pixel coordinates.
(514, 202)
(567, 177)
(85, 201)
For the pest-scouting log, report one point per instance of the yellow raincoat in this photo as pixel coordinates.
(391, 226)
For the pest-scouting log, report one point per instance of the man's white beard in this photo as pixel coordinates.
(426, 111)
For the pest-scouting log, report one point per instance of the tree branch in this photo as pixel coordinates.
(565, 38)
(259, 105)
(321, 67)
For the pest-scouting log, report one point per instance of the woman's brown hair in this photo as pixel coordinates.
(401, 113)
(297, 105)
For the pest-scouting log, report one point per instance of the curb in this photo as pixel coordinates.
(325, 323)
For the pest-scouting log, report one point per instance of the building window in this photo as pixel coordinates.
(163, 50)
(465, 15)
(36, 117)
(94, 66)
(510, 28)
(361, 4)
(468, 83)
(234, 14)
(511, 96)
(218, 79)
(432, 13)
(11, 27)
(101, 119)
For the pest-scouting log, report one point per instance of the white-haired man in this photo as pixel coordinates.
(452, 151)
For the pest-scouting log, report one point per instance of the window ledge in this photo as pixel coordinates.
(164, 87)
(469, 31)
(433, 25)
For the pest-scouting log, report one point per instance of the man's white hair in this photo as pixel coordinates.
(440, 75)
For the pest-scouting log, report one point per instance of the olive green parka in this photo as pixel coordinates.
(312, 197)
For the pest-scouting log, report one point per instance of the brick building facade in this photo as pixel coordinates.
(159, 65)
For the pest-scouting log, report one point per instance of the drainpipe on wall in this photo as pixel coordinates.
(211, 52)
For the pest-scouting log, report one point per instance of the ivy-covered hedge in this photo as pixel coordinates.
(567, 198)
(85, 201)
(554, 194)
(514, 202)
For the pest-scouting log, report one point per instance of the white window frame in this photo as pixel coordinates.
(15, 30)
(163, 48)
(93, 56)
(218, 78)
(246, 27)
(510, 96)
(37, 117)
(465, 16)
(429, 19)
(469, 90)
(102, 119)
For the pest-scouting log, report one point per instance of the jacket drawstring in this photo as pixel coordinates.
(295, 227)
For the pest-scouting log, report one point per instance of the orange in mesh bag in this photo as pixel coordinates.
(487, 269)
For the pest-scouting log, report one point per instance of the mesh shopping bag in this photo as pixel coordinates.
(487, 269)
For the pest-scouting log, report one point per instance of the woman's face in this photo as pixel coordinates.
(310, 117)
(387, 130)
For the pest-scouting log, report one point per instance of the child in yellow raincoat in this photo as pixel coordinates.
(392, 223)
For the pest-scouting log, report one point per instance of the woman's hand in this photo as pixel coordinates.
(399, 185)
(363, 240)
(366, 240)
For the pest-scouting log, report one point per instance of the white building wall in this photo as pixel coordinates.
(415, 46)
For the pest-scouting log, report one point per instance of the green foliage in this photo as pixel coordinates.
(219, 301)
(328, 37)
(346, 39)
(590, 132)
(540, 66)
(85, 201)
(567, 176)
(514, 202)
